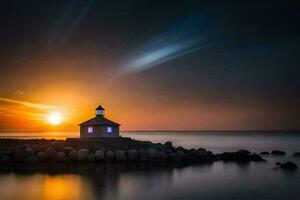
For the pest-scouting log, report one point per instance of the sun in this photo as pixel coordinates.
(54, 118)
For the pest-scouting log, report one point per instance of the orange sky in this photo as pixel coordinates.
(75, 107)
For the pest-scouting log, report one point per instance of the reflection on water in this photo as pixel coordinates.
(134, 181)
(42, 186)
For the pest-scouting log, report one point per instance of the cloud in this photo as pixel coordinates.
(187, 36)
(28, 104)
(19, 92)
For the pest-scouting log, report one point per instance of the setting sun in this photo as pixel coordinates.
(54, 118)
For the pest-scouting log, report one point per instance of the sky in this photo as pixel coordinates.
(154, 65)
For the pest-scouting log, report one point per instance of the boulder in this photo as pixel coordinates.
(109, 155)
(236, 157)
(289, 166)
(19, 154)
(68, 149)
(32, 159)
(161, 155)
(182, 149)
(297, 154)
(132, 154)
(50, 153)
(255, 157)
(58, 146)
(120, 155)
(37, 148)
(5, 159)
(5, 152)
(278, 153)
(29, 151)
(201, 155)
(61, 157)
(264, 153)
(99, 155)
(158, 146)
(151, 153)
(142, 155)
(179, 156)
(168, 145)
(243, 152)
(73, 156)
(83, 155)
(91, 157)
(41, 156)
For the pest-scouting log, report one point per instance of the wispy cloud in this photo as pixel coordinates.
(19, 92)
(29, 104)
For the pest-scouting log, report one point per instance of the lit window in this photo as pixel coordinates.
(90, 129)
(109, 129)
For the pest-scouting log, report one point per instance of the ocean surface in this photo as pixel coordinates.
(218, 180)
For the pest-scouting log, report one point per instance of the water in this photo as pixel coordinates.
(214, 181)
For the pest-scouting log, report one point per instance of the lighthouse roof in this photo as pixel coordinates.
(99, 120)
(100, 108)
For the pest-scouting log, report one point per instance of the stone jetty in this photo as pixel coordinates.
(110, 150)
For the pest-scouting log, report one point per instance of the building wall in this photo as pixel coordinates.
(99, 131)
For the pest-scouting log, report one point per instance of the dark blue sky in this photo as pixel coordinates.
(241, 54)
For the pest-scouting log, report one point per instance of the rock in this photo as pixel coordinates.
(19, 154)
(132, 154)
(151, 153)
(5, 159)
(289, 166)
(264, 153)
(73, 156)
(297, 154)
(201, 155)
(37, 148)
(83, 155)
(61, 157)
(255, 157)
(243, 152)
(168, 145)
(5, 152)
(40, 156)
(50, 153)
(278, 163)
(29, 151)
(158, 146)
(68, 149)
(142, 155)
(99, 155)
(278, 153)
(120, 155)
(91, 157)
(182, 149)
(109, 155)
(58, 146)
(237, 157)
(179, 156)
(161, 155)
(32, 159)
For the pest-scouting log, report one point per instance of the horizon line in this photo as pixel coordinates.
(169, 130)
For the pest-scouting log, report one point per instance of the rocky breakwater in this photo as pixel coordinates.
(145, 152)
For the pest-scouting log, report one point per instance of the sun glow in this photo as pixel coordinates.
(54, 118)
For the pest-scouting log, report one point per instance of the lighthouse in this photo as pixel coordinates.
(99, 126)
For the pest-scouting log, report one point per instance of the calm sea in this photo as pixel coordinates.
(215, 181)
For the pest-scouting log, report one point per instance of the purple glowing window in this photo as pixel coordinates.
(108, 129)
(90, 129)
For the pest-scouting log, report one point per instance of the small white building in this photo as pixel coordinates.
(99, 126)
